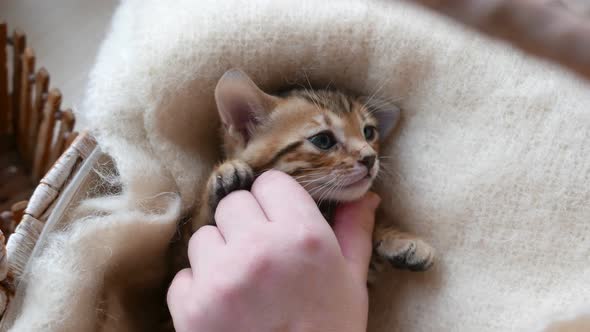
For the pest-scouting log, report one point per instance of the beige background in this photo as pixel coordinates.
(65, 35)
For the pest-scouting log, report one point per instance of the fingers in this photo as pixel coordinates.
(203, 244)
(179, 290)
(238, 212)
(283, 200)
(353, 226)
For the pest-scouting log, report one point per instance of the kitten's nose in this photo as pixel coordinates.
(368, 161)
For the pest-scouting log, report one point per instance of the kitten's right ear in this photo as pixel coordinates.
(241, 104)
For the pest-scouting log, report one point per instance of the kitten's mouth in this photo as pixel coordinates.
(357, 180)
(344, 188)
(353, 186)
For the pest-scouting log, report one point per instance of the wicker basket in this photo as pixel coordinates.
(43, 214)
(34, 132)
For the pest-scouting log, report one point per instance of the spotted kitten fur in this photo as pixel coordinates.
(327, 140)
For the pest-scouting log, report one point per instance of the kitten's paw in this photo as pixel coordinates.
(406, 252)
(230, 176)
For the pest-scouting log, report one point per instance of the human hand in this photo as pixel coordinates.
(274, 264)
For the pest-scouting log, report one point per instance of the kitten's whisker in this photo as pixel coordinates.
(392, 99)
(335, 188)
(311, 182)
(329, 84)
(309, 174)
(319, 191)
(311, 91)
(327, 183)
(321, 186)
(312, 176)
(331, 186)
(386, 169)
(381, 86)
(382, 101)
(376, 105)
(385, 165)
(326, 188)
(311, 169)
(383, 177)
(390, 174)
(319, 169)
(325, 191)
(389, 161)
(315, 167)
(309, 177)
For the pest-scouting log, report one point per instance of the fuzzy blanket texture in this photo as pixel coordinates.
(490, 163)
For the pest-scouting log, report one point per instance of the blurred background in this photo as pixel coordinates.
(65, 34)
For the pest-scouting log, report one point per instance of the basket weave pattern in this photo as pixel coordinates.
(35, 132)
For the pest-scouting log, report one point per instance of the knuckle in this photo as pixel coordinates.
(184, 309)
(229, 202)
(232, 198)
(191, 314)
(223, 204)
(259, 266)
(310, 241)
(201, 233)
(226, 291)
(176, 286)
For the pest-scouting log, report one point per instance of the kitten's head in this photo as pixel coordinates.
(328, 141)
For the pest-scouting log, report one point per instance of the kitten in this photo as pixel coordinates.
(328, 141)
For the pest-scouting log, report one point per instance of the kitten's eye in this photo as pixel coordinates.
(324, 140)
(369, 132)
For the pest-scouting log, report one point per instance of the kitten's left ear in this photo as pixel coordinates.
(241, 104)
(386, 113)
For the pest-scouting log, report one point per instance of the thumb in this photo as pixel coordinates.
(353, 226)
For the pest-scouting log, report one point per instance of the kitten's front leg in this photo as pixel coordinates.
(402, 250)
(230, 176)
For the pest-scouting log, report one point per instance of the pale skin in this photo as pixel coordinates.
(272, 263)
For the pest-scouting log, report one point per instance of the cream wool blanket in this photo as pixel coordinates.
(490, 163)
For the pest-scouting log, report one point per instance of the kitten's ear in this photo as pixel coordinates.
(241, 104)
(386, 113)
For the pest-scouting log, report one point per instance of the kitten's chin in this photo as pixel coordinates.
(352, 192)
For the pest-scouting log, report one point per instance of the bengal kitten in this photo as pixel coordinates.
(327, 140)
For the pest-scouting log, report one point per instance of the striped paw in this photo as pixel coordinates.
(405, 251)
(230, 176)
